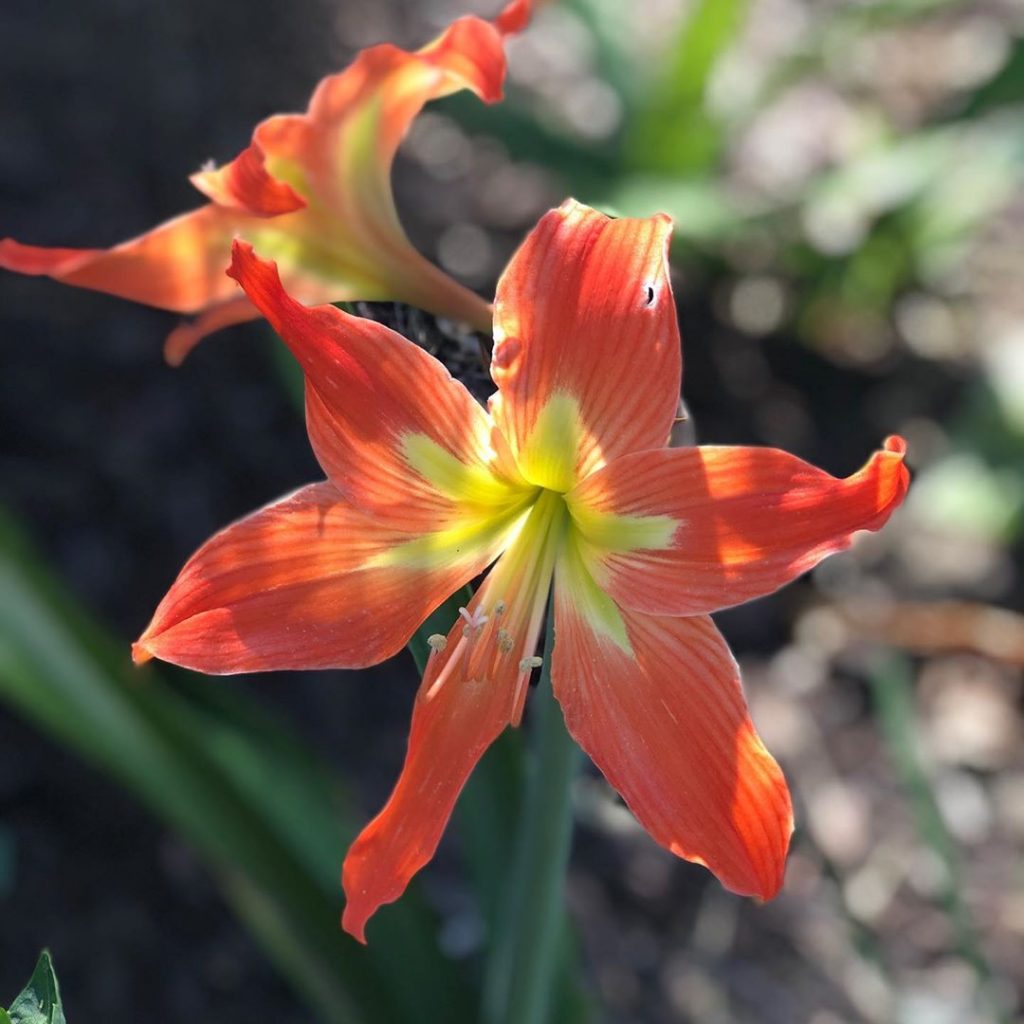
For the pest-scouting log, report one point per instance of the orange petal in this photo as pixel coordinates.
(657, 704)
(515, 16)
(309, 582)
(474, 685)
(688, 530)
(236, 310)
(586, 356)
(246, 185)
(469, 693)
(392, 429)
(177, 266)
(312, 190)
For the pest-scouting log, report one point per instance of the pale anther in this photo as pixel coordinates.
(474, 620)
(527, 663)
(436, 642)
(505, 641)
(499, 608)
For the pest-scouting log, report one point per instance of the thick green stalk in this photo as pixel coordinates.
(521, 971)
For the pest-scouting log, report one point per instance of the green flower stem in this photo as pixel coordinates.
(522, 969)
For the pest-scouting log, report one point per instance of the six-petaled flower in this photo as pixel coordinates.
(565, 481)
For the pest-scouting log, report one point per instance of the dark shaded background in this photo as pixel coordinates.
(119, 467)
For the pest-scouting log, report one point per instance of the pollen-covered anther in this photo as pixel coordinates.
(437, 642)
(528, 663)
(505, 641)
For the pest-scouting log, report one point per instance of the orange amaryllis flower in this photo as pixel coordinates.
(567, 480)
(313, 191)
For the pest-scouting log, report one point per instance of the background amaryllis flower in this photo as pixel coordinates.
(566, 480)
(313, 191)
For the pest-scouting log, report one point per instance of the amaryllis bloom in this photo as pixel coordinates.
(566, 481)
(313, 191)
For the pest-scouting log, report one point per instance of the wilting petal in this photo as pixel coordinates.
(689, 530)
(586, 354)
(312, 190)
(309, 582)
(657, 704)
(392, 429)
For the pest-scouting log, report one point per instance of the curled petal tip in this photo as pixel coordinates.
(895, 475)
(571, 209)
(259, 279)
(514, 16)
(246, 267)
(245, 185)
(179, 343)
(241, 251)
(39, 259)
(354, 924)
(185, 337)
(141, 653)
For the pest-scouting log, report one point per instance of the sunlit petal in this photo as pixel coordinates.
(586, 355)
(310, 582)
(690, 530)
(657, 704)
(474, 685)
(392, 429)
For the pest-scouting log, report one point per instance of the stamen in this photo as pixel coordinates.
(505, 641)
(499, 609)
(528, 663)
(437, 643)
(475, 621)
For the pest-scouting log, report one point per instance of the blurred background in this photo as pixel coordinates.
(847, 180)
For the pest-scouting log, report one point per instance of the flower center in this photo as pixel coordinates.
(494, 640)
(549, 455)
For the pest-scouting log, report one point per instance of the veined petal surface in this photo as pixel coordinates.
(684, 531)
(310, 582)
(177, 266)
(657, 704)
(452, 726)
(394, 432)
(312, 191)
(474, 685)
(586, 357)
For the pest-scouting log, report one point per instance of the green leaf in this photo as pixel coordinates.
(893, 700)
(39, 1002)
(1005, 88)
(267, 817)
(673, 132)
